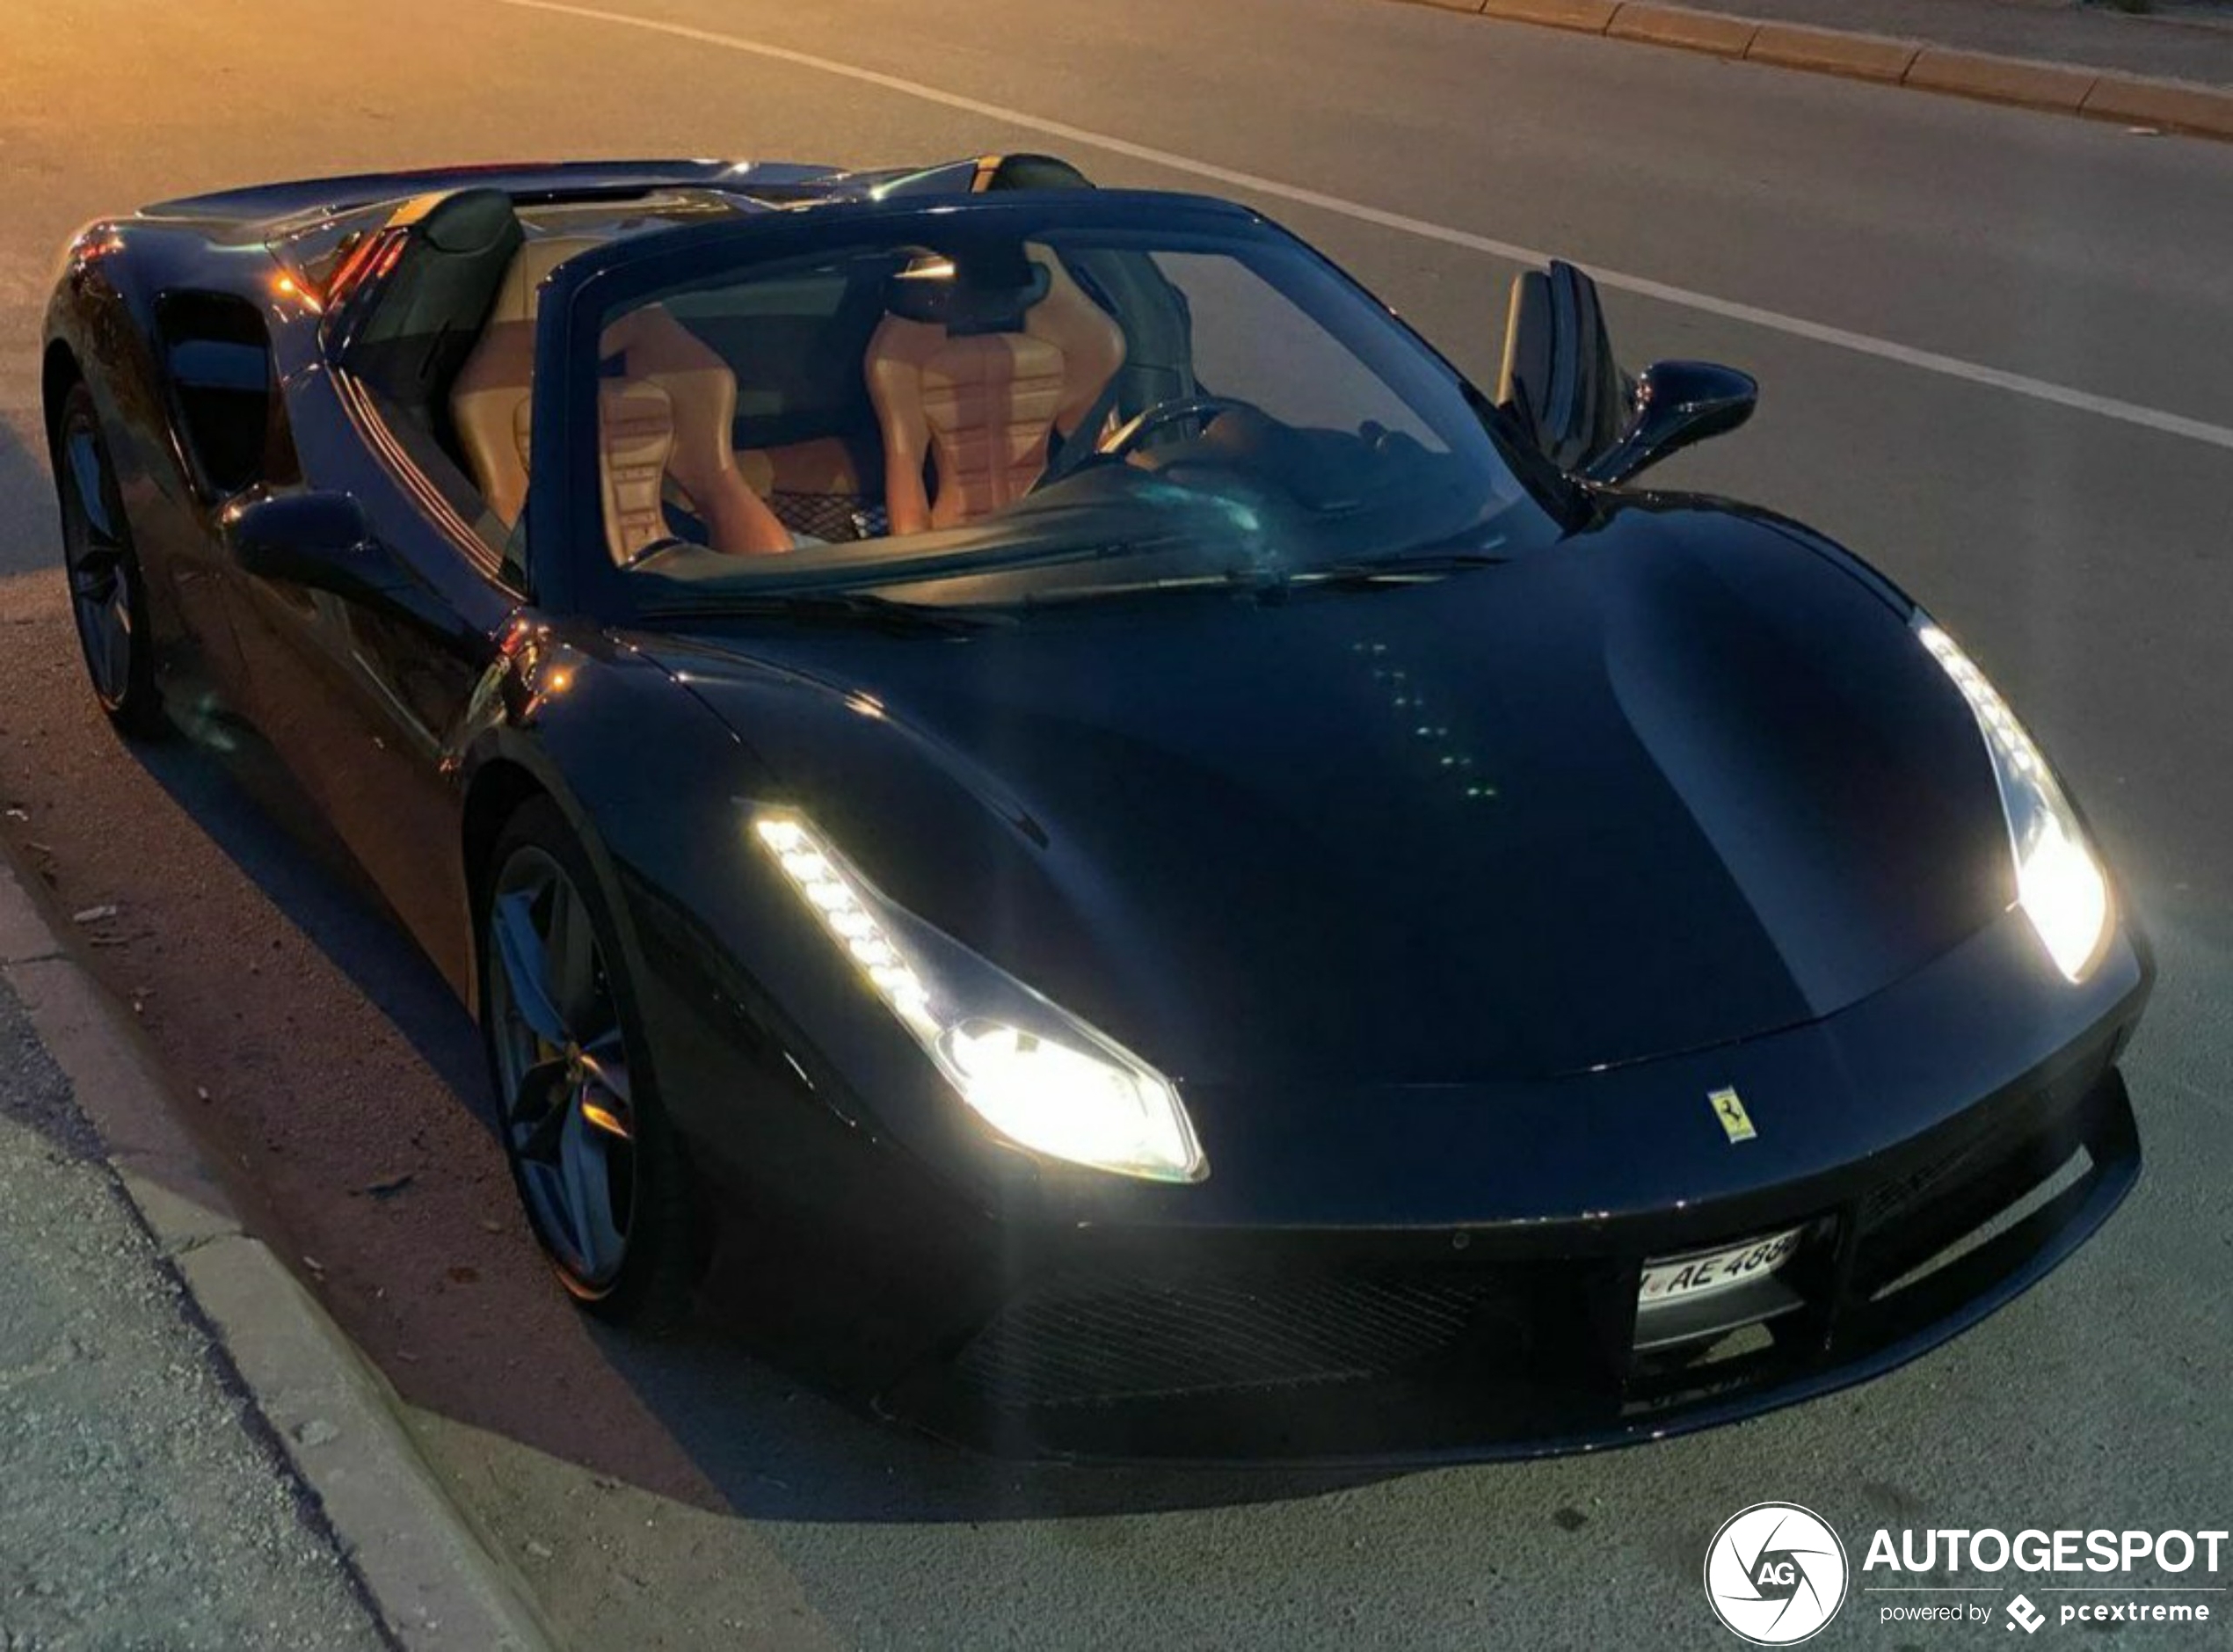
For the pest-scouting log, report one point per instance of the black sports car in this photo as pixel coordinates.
(1146, 869)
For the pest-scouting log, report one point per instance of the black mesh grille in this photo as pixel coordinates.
(1888, 1200)
(2030, 1126)
(836, 517)
(1909, 1218)
(1081, 1338)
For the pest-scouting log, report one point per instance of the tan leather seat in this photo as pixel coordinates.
(491, 403)
(978, 391)
(635, 427)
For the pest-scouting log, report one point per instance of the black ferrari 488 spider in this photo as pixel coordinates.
(1026, 772)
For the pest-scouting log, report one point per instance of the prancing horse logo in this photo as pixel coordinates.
(1736, 1123)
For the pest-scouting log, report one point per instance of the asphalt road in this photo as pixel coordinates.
(1994, 348)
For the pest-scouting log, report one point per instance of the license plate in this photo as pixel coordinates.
(1681, 1279)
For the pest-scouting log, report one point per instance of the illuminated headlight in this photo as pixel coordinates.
(1035, 1072)
(2059, 884)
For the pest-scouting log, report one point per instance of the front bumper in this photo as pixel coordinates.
(1396, 1346)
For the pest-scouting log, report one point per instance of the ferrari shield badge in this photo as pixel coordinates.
(1736, 1123)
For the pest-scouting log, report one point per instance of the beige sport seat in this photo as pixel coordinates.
(635, 445)
(975, 367)
(664, 364)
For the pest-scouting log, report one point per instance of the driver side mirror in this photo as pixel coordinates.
(318, 540)
(1561, 385)
(1678, 404)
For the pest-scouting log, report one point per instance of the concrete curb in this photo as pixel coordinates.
(435, 1586)
(2170, 106)
(1678, 25)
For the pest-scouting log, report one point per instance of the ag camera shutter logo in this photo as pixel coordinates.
(1775, 1574)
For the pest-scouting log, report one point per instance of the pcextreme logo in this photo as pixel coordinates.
(1775, 1574)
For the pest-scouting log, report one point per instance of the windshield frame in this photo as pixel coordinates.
(570, 567)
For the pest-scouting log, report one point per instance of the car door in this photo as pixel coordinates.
(366, 698)
(219, 396)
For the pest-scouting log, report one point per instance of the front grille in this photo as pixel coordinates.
(1885, 1202)
(1948, 1196)
(1084, 1337)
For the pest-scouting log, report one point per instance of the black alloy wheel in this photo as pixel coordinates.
(587, 1142)
(108, 593)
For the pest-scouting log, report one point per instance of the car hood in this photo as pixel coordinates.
(1675, 781)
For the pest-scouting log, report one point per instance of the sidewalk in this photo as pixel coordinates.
(2191, 43)
(2152, 74)
(139, 1503)
(192, 1453)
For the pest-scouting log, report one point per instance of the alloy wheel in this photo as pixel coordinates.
(96, 552)
(562, 1069)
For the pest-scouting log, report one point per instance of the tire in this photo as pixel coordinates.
(593, 1157)
(108, 596)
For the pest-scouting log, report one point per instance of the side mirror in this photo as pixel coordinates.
(1677, 403)
(318, 540)
(1561, 381)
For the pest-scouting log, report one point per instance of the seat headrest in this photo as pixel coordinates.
(531, 266)
(1034, 171)
(439, 297)
(986, 289)
(470, 221)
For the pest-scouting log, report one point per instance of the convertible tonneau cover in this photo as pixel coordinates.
(269, 203)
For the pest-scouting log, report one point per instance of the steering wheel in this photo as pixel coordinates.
(1076, 455)
(1121, 441)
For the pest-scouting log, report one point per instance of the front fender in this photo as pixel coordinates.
(648, 779)
(740, 994)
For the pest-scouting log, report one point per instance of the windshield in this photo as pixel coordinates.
(984, 418)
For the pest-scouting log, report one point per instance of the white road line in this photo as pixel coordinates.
(1643, 286)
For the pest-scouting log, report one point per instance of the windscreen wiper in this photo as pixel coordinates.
(861, 608)
(1271, 584)
(1397, 568)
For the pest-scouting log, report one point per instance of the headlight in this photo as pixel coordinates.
(2059, 884)
(1036, 1074)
